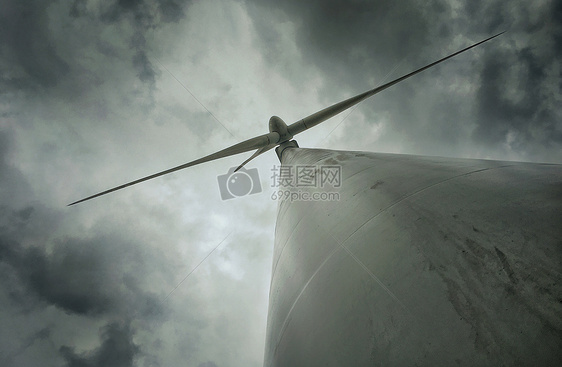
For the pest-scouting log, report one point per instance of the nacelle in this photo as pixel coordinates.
(276, 124)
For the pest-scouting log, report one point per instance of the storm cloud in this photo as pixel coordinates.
(90, 99)
(508, 96)
(116, 349)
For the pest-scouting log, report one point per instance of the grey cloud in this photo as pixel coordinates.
(352, 42)
(171, 11)
(93, 277)
(117, 349)
(536, 108)
(145, 12)
(140, 244)
(27, 45)
(344, 38)
(145, 72)
(101, 276)
(207, 364)
(76, 277)
(34, 56)
(38, 336)
(145, 15)
(83, 276)
(116, 273)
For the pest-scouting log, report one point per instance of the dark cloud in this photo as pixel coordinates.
(67, 279)
(351, 40)
(145, 72)
(80, 276)
(74, 77)
(144, 15)
(33, 54)
(38, 336)
(513, 101)
(207, 364)
(170, 10)
(520, 82)
(117, 349)
(88, 276)
(102, 276)
(27, 46)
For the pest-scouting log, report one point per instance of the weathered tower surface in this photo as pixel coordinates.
(422, 261)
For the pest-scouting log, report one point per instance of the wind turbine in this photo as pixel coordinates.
(280, 134)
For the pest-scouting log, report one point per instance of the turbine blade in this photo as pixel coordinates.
(321, 116)
(256, 153)
(245, 146)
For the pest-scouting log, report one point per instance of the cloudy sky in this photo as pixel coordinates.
(90, 99)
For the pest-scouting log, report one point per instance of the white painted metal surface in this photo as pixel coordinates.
(423, 261)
